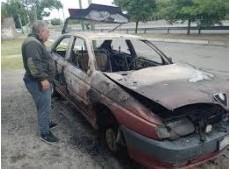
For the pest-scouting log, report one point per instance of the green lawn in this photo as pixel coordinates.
(11, 54)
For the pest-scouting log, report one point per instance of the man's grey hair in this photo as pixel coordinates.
(37, 26)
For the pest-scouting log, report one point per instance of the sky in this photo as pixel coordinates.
(74, 4)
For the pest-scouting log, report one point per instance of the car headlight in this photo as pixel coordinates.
(175, 129)
(208, 128)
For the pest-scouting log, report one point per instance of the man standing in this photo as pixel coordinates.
(39, 73)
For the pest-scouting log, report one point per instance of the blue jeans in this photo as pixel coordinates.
(42, 100)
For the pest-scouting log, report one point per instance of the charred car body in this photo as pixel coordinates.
(166, 114)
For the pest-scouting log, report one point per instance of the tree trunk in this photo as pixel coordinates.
(136, 27)
(35, 14)
(59, 14)
(20, 23)
(199, 30)
(63, 14)
(189, 27)
(82, 25)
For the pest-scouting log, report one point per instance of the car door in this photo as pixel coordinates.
(60, 53)
(77, 74)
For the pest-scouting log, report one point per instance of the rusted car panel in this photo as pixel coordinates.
(128, 88)
(127, 110)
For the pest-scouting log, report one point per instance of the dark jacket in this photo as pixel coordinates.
(37, 60)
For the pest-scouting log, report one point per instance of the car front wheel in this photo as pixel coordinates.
(111, 140)
(54, 93)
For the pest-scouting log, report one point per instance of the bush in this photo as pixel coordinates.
(55, 21)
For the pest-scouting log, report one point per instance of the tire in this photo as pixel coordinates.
(54, 93)
(110, 139)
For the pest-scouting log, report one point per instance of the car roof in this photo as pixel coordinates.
(107, 35)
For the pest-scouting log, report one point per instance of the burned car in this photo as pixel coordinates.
(167, 115)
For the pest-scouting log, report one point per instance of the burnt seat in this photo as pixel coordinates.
(103, 60)
(83, 59)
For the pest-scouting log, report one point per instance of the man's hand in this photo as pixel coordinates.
(45, 84)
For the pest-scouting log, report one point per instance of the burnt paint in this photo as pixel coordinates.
(173, 85)
(127, 110)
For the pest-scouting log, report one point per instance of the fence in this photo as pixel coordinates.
(167, 30)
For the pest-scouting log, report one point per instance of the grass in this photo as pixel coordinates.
(11, 54)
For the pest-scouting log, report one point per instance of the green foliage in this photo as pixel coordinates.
(138, 10)
(4, 10)
(41, 5)
(160, 10)
(204, 12)
(209, 12)
(56, 21)
(25, 11)
(179, 10)
(15, 9)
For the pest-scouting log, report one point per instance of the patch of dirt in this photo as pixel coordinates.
(80, 145)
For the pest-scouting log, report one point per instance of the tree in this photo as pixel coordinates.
(160, 11)
(58, 5)
(138, 10)
(24, 11)
(179, 10)
(203, 12)
(209, 12)
(55, 21)
(15, 9)
(4, 10)
(41, 5)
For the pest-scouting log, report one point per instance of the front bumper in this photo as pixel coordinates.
(180, 151)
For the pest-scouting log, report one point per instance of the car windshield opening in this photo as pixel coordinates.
(120, 54)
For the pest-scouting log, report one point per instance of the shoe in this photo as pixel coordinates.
(49, 138)
(53, 125)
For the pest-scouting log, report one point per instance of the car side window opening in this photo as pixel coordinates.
(79, 55)
(62, 47)
(111, 55)
(120, 46)
(121, 54)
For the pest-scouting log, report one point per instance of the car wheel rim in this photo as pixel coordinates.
(111, 140)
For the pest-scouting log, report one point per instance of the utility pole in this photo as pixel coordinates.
(91, 25)
(80, 5)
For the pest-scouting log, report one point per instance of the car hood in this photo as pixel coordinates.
(173, 85)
